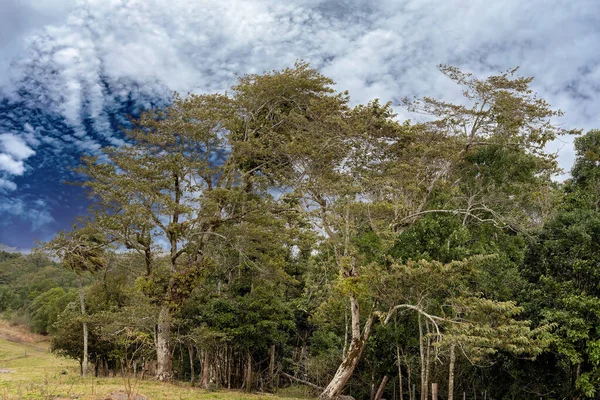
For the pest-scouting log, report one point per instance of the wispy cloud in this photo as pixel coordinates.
(36, 212)
(76, 69)
(13, 150)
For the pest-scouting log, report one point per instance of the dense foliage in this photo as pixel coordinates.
(278, 235)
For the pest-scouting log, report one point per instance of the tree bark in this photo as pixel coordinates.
(228, 369)
(434, 391)
(205, 370)
(398, 360)
(410, 385)
(372, 383)
(85, 362)
(164, 367)
(249, 373)
(427, 363)
(422, 357)
(384, 382)
(302, 381)
(272, 367)
(192, 372)
(349, 363)
(451, 372)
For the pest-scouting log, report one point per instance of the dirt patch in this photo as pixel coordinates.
(6, 371)
(19, 333)
(121, 395)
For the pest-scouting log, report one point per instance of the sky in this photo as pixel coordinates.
(72, 70)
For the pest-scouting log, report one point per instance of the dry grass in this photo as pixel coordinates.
(19, 334)
(34, 373)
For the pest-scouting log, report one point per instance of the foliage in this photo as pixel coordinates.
(279, 231)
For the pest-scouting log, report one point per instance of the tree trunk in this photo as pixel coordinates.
(372, 397)
(427, 363)
(345, 332)
(410, 385)
(192, 372)
(205, 370)
(228, 355)
(398, 360)
(422, 357)
(451, 372)
(384, 382)
(349, 363)
(249, 373)
(434, 391)
(272, 367)
(164, 367)
(85, 362)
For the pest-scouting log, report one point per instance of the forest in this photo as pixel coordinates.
(280, 235)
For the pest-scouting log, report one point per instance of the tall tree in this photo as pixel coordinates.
(80, 250)
(357, 168)
(562, 266)
(167, 191)
(184, 178)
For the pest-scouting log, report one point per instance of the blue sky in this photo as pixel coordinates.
(70, 71)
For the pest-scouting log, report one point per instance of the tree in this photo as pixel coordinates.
(280, 203)
(183, 180)
(45, 309)
(80, 250)
(357, 169)
(562, 266)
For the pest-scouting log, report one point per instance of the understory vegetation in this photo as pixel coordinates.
(278, 236)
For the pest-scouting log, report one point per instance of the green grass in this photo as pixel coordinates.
(38, 374)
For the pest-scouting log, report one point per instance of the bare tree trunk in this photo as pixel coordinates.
(451, 372)
(398, 360)
(302, 381)
(228, 355)
(422, 357)
(192, 372)
(272, 367)
(372, 383)
(216, 371)
(410, 391)
(164, 367)
(427, 363)
(85, 363)
(349, 363)
(249, 373)
(205, 370)
(575, 372)
(434, 391)
(379, 393)
(345, 349)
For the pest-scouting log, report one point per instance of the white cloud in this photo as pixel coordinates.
(10, 165)
(84, 65)
(15, 146)
(13, 151)
(8, 249)
(36, 212)
(7, 186)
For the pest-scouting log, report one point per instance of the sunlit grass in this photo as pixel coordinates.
(32, 372)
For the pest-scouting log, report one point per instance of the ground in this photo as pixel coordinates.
(29, 371)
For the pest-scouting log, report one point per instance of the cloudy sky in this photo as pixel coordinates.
(70, 71)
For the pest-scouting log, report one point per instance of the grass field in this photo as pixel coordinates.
(29, 371)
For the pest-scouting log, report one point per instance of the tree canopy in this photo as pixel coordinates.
(279, 234)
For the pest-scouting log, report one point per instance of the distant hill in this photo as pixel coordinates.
(8, 255)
